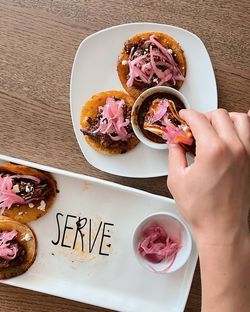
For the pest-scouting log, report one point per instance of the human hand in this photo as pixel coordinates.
(213, 193)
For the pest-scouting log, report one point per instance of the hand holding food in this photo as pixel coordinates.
(213, 196)
(219, 205)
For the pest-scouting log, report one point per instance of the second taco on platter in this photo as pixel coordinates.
(26, 193)
(18, 248)
(106, 122)
(151, 59)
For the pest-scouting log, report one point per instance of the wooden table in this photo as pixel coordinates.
(38, 41)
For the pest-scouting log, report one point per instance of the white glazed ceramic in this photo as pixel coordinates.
(136, 107)
(109, 275)
(94, 70)
(176, 229)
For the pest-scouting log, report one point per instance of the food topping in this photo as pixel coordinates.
(156, 245)
(163, 120)
(112, 120)
(27, 237)
(151, 64)
(20, 189)
(42, 205)
(8, 196)
(11, 252)
(112, 125)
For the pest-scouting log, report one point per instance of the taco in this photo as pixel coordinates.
(151, 59)
(162, 119)
(26, 194)
(18, 248)
(106, 122)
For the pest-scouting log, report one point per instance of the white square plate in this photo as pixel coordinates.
(107, 273)
(94, 70)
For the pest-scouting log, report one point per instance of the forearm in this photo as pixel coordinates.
(225, 275)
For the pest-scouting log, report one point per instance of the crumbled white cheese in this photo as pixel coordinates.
(124, 62)
(170, 51)
(31, 205)
(20, 213)
(26, 237)
(16, 188)
(42, 205)
(28, 188)
(184, 127)
(155, 80)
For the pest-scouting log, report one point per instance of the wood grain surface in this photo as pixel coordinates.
(38, 41)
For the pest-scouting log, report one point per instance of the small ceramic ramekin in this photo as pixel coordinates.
(136, 107)
(176, 229)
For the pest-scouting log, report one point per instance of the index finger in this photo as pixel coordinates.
(200, 126)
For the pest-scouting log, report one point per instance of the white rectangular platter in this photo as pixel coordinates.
(95, 264)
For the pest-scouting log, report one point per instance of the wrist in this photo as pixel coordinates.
(219, 237)
(240, 244)
(226, 268)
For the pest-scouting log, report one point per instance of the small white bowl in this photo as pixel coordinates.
(176, 229)
(136, 107)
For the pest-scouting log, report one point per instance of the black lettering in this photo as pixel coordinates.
(65, 228)
(92, 246)
(78, 229)
(58, 227)
(104, 235)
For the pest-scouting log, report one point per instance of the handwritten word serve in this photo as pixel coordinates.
(83, 231)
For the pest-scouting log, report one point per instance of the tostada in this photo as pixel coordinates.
(106, 122)
(151, 59)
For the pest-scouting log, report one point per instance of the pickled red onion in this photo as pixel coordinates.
(112, 120)
(29, 177)
(8, 197)
(8, 251)
(174, 134)
(144, 67)
(156, 245)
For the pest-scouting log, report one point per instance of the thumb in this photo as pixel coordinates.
(177, 161)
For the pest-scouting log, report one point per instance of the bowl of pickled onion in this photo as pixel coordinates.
(162, 242)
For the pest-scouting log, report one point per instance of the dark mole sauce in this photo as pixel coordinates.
(145, 107)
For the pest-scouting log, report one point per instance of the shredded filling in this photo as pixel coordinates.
(151, 64)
